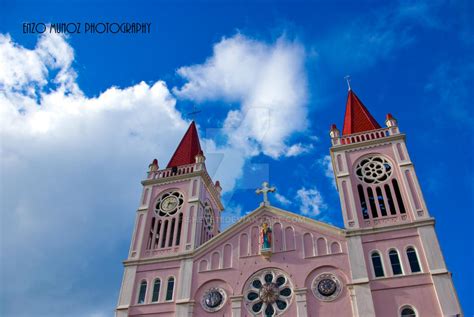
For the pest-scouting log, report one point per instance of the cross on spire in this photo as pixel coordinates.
(348, 79)
(194, 112)
(265, 190)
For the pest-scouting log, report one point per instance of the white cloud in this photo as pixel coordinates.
(326, 164)
(71, 165)
(70, 172)
(312, 202)
(267, 80)
(297, 149)
(282, 199)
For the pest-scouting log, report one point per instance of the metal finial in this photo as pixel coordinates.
(348, 79)
(194, 112)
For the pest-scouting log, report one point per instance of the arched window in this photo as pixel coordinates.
(407, 312)
(156, 290)
(142, 292)
(363, 203)
(377, 264)
(157, 235)
(395, 262)
(413, 260)
(170, 289)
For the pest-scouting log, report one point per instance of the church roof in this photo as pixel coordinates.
(187, 149)
(357, 117)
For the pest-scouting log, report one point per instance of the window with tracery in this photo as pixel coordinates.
(169, 203)
(373, 170)
(268, 293)
(213, 299)
(326, 287)
(209, 218)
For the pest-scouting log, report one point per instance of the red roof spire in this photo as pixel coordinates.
(357, 117)
(187, 149)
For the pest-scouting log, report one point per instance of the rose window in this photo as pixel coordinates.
(268, 293)
(326, 287)
(213, 299)
(169, 204)
(373, 170)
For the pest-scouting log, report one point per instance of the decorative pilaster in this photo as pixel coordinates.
(236, 305)
(301, 305)
(125, 296)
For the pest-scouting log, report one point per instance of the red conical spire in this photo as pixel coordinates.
(187, 149)
(357, 117)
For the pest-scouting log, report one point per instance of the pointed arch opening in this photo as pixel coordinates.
(373, 208)
(398, 195)
(381, 202)
(391, 205)
(363, 203)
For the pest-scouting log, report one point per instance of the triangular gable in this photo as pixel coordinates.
(249, 220)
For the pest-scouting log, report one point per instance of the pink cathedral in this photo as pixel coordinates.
(386, 261)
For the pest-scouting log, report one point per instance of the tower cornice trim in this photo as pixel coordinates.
(367, 144)
(414, 224)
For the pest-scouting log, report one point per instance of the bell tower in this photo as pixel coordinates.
(180, 205)
(178, 211)
(375, 176)
(390, 233)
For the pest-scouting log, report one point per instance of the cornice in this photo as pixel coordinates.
(414, 224)
(165, 258)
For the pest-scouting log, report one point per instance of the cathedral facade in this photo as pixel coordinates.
(386, 261)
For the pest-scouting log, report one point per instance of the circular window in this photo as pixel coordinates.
(213, 299)
(169, 203)
(208, 217)
(268, 293)
(373, 170)
(326, 287)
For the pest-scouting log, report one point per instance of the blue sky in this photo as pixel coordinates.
(81, 118)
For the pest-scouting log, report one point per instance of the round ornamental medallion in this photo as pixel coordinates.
(169, 203)
(326, 287)
(373, 170)
(268, 293)
(213, 299)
